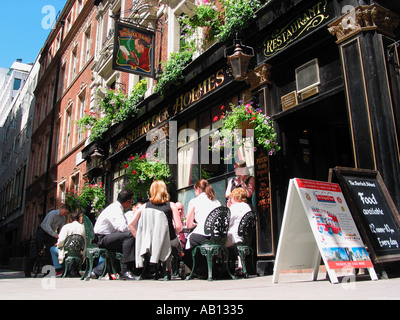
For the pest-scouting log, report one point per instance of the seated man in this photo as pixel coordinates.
(112, 231)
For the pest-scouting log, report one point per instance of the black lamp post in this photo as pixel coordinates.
(239, 61)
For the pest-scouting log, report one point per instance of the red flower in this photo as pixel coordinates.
(131, 158)
(215, 119)
(126, 166)
(254, 118)
(134, 171)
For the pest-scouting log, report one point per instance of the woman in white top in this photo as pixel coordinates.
(239, 208)
(198, 210)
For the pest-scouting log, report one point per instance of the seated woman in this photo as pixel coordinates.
(239, 208)
(198, 210)
(57, 251)
(159, 200)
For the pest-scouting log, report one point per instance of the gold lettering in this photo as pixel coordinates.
(300, 25)
(187, 99)
(220, 77)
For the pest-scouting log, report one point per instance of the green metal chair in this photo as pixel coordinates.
(74, 248)
(93, 251)
(246, 231)
(216, 225)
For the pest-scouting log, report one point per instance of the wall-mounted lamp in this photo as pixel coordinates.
(239, 60)
(96, 155)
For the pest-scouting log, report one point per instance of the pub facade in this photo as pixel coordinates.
(325, 71)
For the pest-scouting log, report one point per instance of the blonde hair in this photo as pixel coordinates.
(158, 192)
(239, 194)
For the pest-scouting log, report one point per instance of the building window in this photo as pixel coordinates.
(195, 159)
(17, 84)
(62, 191)
(81, 111)
(75, 182)
(74, 65)
(87, 43)
(68, 131)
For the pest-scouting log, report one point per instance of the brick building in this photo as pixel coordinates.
(62, 94)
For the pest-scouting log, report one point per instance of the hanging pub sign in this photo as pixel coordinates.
(304, 23)
(133, 50)
(373, 210)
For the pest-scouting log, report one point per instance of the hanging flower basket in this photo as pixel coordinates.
(90, 201)
(246, 125)
(141, 171)
(237, 121)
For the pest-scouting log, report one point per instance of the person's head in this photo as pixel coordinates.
(140, 45)
(158, 192)
(65, 209)
(125, 198)
(238, 195)
(203, 186)
(181, 209)
(240, 168)
(74, 216)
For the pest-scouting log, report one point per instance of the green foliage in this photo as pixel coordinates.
(172, 75)
(238, 15)
(113, 108)
(239, 117)
(223, 18)
(206, 15)
(141, 171)
(92, 199)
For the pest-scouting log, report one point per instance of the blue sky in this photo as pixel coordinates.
(24, 28)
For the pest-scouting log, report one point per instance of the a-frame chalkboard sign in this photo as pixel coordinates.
(373, 210)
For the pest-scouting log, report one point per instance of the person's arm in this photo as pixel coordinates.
(133, 224)
(176, 218)
(190, 224)
(61, 238)
(228, 188)
(250, 187)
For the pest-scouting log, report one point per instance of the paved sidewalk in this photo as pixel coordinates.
(291, 286)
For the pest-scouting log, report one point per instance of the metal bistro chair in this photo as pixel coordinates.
(74, 249)
(246, 230)
(216, 225)
(93, 251)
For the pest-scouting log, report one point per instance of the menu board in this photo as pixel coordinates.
(318, 224)
(373, 210)
(332, 224)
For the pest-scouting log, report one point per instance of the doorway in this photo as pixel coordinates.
(315, 138)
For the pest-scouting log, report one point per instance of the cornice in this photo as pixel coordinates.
(363, 19)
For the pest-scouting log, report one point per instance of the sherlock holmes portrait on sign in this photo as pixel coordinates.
(133, 50)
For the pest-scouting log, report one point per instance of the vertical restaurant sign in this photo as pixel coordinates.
(133, 50)
(306, 21)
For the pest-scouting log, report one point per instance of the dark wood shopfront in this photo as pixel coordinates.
(326, 127)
